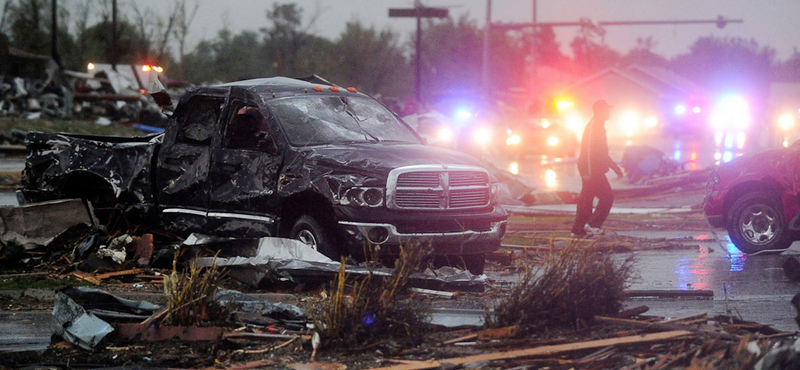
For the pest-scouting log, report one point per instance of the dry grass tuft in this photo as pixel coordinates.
(373, 309)
(188, 296)
(567, 289)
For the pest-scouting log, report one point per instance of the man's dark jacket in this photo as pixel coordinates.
(594, 159)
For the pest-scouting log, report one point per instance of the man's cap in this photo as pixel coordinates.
(600, 104)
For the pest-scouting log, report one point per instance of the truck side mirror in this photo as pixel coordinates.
(162, 99)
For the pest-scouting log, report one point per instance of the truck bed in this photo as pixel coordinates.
(111, 169)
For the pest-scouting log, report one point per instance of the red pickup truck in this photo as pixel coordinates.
(756, 197)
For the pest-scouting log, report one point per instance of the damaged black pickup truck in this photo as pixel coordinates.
(329, 166)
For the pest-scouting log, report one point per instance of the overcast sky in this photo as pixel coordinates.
(771, 23)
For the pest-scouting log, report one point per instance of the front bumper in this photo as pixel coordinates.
(462, 242)
(449, 233)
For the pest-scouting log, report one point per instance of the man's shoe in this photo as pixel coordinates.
(577, 236)
(594, 230)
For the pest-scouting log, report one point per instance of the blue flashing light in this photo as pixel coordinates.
(369, 319)
(463, 114)
(680, 109)
(727, 156)
(729, 139)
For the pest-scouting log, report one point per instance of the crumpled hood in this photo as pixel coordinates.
(327, 169)
(382, 158)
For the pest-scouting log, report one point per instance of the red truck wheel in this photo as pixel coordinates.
(755, 224)
(309, 231)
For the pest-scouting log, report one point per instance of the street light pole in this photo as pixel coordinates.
(114, 36)
(418, 62)
(486, 46)
(54, 33)
(418, 11)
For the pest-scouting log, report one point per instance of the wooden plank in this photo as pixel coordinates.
(258, 336)
(633, 312)
(546, 350)
(686, 318)
(118, 273)
(160, 313)
(663, 327)
(461, 339)
(669, 293)
(86, 277)
(165, 333)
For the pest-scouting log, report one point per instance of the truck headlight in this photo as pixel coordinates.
(495, 197)
(362, 197)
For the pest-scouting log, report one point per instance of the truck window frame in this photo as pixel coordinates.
(198, 124)
(265, 143)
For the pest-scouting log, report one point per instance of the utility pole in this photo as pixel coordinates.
(114, 36)
(418, 11)
(54, 34)
(486, 46)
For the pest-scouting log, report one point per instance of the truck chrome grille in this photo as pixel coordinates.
(438, 187)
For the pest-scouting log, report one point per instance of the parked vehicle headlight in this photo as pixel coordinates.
(362, 197)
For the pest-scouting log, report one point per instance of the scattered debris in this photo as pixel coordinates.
(289, 260)
(373, 310)
(33, 226)
(568, 289)
(644, 162)
(73, 323)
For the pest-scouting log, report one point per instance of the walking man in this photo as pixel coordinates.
(593, 163)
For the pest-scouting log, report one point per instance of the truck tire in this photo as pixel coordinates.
(755, 225)
(309, 231)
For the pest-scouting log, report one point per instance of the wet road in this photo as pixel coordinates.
(753, 287)
(24, 331)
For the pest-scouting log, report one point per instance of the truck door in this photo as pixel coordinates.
(244, 170)
(182, 185)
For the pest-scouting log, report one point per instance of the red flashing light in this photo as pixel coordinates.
(146, 68)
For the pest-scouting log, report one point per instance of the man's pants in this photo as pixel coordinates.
(599, 187)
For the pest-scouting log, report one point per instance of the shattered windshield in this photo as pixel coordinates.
(320, 120)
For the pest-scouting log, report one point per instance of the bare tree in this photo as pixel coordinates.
(3, 16)
(148, 25)
(83, 10)
(185, 18)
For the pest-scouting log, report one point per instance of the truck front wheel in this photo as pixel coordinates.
(755, 224)
(309, 231)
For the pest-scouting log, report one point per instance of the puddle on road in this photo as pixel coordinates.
(8, 198)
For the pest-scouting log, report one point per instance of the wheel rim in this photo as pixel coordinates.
(759, 224)
(307, 238)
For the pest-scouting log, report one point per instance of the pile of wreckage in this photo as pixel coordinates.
(61, 237)
(105, 96)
